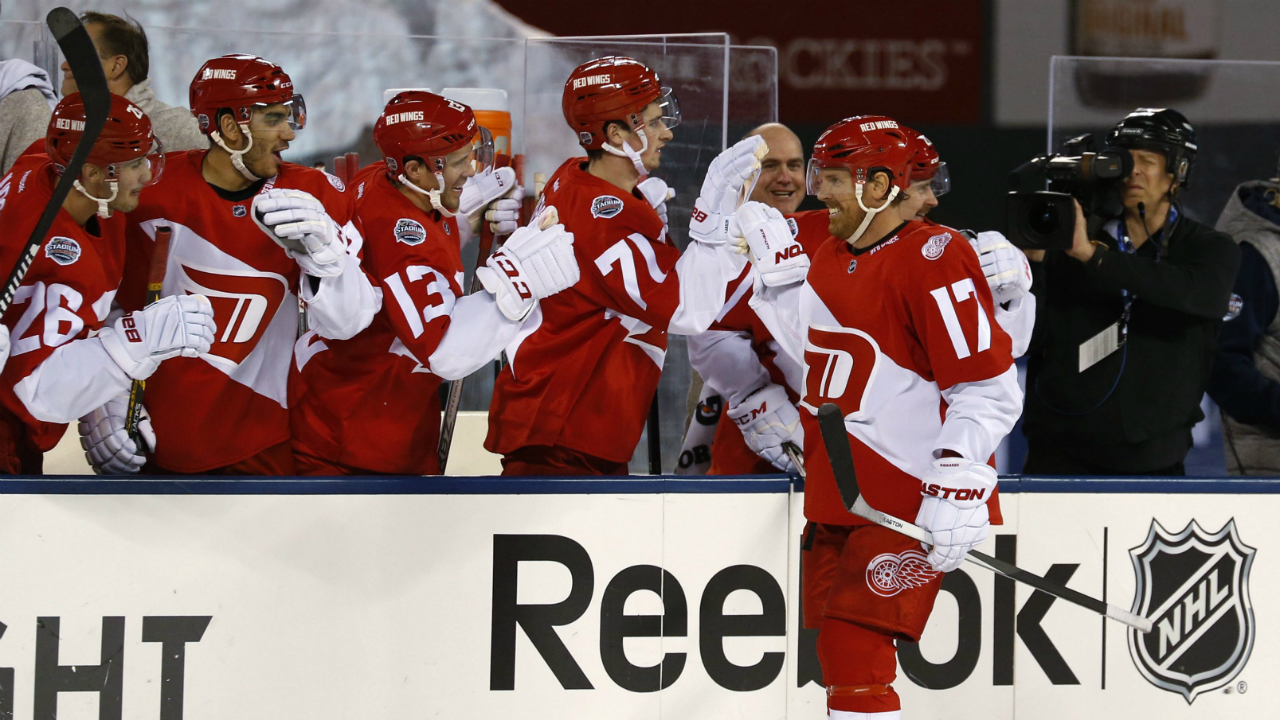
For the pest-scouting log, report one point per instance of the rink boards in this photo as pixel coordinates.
(627, 598)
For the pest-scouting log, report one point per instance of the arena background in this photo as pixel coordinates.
(972, 74)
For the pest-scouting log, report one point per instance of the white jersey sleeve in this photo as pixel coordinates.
(477, 333)
(340, 307)
(727, 361)
(1018, 320)
(71, 382)
(704, 274)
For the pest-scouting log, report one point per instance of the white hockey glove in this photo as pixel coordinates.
(533, 264)
(503, 214)
(955, 509)
(721, 189)
(4, 346)
(766, 238)
(484, 188)
(298, 222)
(657, 193)
(1006, 268)
(767, 419)
(107, 446)
(169, 327)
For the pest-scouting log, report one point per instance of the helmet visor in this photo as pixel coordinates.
(154, 160)
(941, 182)
(669, 107)
(482, 150)
(838, 178)
(295, 113)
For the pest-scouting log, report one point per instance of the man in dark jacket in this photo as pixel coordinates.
(1246, 374)
(1128, 322)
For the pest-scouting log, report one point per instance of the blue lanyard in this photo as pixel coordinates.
(1123, 244)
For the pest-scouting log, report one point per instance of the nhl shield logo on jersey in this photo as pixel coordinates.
(62, 250)
(238, 211)
(889, 574)
(410, 232)
(1194, 586)
(935, 245)
(606, 206)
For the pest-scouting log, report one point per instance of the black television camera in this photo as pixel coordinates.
(1039, 211)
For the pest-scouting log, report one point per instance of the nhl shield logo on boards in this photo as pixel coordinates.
(606, 206)
(1194, 587)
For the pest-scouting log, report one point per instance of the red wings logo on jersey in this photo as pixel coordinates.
(889, 574)
(243, 306)
(840, 364)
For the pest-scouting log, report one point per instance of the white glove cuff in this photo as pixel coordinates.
(114, 341)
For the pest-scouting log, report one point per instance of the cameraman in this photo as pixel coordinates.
(1127, 323)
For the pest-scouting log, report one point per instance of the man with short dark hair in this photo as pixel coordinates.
(122, 48)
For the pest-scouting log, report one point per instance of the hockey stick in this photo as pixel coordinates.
(834, 435)
(155, 282)
(82, 58)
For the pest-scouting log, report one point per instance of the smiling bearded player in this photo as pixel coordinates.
(896, 325)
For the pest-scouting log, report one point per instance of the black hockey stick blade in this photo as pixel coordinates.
(831, 422)
(82, 58)
(834, 436)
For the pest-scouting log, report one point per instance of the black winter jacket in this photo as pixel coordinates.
(1154, 383)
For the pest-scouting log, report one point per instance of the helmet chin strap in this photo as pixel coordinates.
(104, 211)
(237, 156)
(433, 195)
(870, 212)
(630, 153)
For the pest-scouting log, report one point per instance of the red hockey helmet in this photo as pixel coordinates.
(126, 137)
(926, 165)
(240, 83)
(423, 126)
(613, 89)
(863, 144)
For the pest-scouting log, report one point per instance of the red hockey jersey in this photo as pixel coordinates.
(64, 297)
(902, 336)
(584, 378)
(229, 404)
(372, 402)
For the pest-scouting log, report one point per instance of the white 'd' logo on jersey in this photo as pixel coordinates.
(840, 364)
(243, 306)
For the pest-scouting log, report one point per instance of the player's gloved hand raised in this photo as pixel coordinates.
(1006, 268)
(107, 445)
(503, 214)
(955, 509)
(656, 191)
(4, 346)
(767, 419)
(721, 189)
(483, 188)
(298, 222)
(169, 327)
(535, 262)
(766, 238)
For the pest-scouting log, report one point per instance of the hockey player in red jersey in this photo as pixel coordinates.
(896, 325)
(741, 355)
(255, 234)
(370, 404)
(68, 357)
(574, 395)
